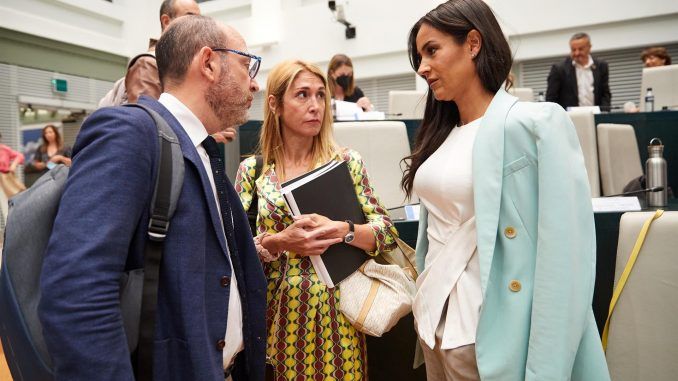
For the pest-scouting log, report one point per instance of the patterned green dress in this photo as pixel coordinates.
(308, 338)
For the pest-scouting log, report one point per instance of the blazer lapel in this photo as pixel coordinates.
(191, 154)
(596, 81)
(572, 79)
(488, 168)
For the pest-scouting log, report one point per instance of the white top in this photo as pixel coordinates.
(197, 133)
(444, 184)
(585, 82)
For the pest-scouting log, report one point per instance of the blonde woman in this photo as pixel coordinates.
(308, 336)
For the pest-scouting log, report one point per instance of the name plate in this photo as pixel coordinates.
(615, 204)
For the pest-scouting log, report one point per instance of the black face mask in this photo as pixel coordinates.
(343, 81)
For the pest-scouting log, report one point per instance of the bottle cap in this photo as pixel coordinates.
(656, 147)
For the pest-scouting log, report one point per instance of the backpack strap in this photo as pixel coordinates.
(168, 183)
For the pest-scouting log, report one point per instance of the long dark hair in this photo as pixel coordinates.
(493, 64)
(57, 136)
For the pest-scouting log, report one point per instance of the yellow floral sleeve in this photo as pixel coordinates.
(244, 181)
(376, 214)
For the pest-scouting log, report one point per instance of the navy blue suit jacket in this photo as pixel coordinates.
(99, 233)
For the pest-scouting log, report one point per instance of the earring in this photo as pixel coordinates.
(473, 55)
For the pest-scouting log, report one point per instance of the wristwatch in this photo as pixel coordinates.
(348, 238)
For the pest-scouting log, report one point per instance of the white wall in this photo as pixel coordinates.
(539, 29)
(283, 29)
(121, 27)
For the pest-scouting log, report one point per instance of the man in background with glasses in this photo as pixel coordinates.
(210, 320)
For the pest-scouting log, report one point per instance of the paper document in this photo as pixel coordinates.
(615, 204)
(328, 191)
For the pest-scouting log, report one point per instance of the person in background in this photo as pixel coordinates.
(655, 56)
(342, 83)
(580, 80)
(142, 76)
(10, 184)
(308, 337)
(52, 150)
(503, 293)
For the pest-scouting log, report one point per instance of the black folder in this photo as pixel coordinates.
(332, 194)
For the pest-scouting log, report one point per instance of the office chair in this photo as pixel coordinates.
(585, 126)
(522, 93)
(382, 145)
(643, 329)
(406, 104)
(618, 156)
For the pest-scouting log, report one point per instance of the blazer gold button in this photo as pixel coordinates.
(515, 286)
(510, 232)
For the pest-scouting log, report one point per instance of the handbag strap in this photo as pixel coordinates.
(407, 262)
(367, 305)
(627, 271)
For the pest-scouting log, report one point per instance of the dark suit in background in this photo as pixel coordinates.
(100, 231)
(562, 85)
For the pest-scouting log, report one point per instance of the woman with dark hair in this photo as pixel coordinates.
(506, 243)
(341, 82)
(52, 150)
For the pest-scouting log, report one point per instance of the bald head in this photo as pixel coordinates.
(181, 42)
(171, 9)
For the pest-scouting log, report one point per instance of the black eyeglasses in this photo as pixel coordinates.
(255, 61)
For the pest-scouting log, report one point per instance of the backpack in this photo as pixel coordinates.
(27, 232)
(118, 94)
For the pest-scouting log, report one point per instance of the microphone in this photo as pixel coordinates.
(653, 189)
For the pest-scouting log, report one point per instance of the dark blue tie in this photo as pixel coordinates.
(221, 182)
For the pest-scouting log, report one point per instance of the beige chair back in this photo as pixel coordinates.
(618, 156)
(406, 104)
(586, 132)
(522, 93)
(643, 333)
(382, 145)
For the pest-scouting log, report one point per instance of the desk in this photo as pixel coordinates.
(648, 125)
(607, 234)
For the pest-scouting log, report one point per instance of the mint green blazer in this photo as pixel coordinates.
(536, 246)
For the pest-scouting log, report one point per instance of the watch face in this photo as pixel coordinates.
(348, 238)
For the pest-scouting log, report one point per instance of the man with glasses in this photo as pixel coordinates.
(210, 320)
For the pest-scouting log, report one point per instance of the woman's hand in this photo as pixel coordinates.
(60, 159)
(304, 237)
(39, 165)
(365, 104)
(363, 233)
(338, 229)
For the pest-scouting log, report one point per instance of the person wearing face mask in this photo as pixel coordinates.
(341, 82)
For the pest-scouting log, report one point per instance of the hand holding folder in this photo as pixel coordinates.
(329, 191)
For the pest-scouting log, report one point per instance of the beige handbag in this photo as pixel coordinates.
(378, 295)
